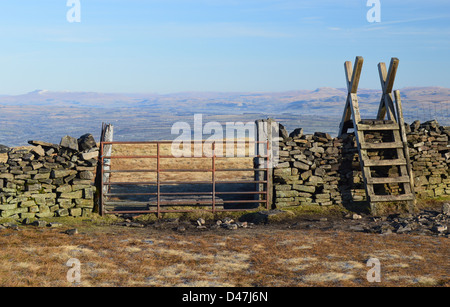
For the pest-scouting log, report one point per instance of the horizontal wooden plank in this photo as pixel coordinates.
(386, 145)
(381, 180)
(364, 127)
(386, 198)
(375, 121)
(386, 162)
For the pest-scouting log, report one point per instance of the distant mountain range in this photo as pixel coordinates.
(330, 100)
(48, 115)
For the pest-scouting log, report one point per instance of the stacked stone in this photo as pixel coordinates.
(318, 169)
(430, 156)
(46, 179)
(351, 183)
(307, 172)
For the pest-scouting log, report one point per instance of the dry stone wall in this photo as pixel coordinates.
(430, 157)
(46, 180)
(322, 170)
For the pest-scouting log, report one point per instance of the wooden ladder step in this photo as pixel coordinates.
(374, 121)
(388, 162)
(385, 198)
(384, 145)
(382, 180)
(365, 127)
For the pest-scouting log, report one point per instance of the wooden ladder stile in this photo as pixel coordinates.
(393, 124)
(409, 171)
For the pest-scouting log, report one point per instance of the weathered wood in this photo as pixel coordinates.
(407, 186)
(348, 74)
(388, 198)
(390, 107)
(386, 107)
(384, 162)
(368, 121)
(363, 127)
(346, 117)
(355, 108)
(384, 145)
(106, 136)
(393, 123)
(267, 130)
(387, 83)
(381, 180)
(382, 72)
(398, 105)
(356, 75)
(360, 140)
(352, 76)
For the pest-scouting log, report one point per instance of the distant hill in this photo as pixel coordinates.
(47, 115)
(326, 99)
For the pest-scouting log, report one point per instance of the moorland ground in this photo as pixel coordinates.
(272, 255)
(309, 248)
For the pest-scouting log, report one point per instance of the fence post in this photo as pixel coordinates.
(107, 136)
(265, 133)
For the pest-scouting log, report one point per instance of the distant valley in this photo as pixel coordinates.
(46, 115)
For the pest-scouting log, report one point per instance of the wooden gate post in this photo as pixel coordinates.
(266, 156)
(106, 150)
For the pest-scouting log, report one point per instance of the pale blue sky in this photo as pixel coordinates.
(168, 46)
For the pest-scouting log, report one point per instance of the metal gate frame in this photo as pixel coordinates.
(261, 169)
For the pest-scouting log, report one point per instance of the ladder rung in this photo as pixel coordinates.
(381, 180)
(386, 145)
(375, 121)
(384, 162)
(365, 127)
(381, 198)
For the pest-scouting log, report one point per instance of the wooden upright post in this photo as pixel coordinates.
(401, 122)
(106, 136)
(352, 77)
(265, 132)
(387, 83)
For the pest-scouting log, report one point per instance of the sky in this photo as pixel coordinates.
(167, 46)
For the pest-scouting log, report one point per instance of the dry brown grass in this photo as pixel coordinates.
(242, 160)
(264, 256)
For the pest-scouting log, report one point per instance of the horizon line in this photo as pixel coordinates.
(205, 91)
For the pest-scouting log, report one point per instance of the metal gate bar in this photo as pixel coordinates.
(158, 183)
